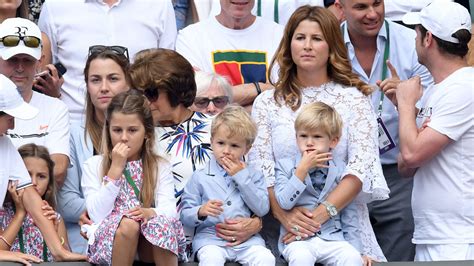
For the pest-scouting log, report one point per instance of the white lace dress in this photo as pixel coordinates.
(358, 146)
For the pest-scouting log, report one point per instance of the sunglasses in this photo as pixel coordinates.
(151, 94)
(219, 102)
(14, 40)
(120, 50)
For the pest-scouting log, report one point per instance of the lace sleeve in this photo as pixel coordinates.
(261, 155)
(362, 151)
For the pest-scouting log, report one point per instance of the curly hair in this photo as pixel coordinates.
(339, 69)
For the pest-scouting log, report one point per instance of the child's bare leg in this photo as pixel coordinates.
(149, 254)
(125, 242)
(32, 202)
(164, 257)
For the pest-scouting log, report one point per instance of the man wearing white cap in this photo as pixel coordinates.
(15, 178)
(382, 53)
(440, 153)
(20, 52)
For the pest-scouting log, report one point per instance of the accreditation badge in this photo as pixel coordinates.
(386, 142)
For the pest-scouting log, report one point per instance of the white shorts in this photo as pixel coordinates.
(440, 252)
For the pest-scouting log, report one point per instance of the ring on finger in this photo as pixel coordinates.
(298, 238)
(296, 228)
(233, 239)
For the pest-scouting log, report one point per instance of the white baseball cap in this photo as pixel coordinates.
(11, 101)
(442, 18)
(26, 32)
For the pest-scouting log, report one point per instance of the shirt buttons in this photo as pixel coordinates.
(229, 203)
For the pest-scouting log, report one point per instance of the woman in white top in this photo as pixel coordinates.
(314, 66)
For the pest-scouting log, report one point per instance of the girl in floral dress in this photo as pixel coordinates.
(129, 191)
(19, 228)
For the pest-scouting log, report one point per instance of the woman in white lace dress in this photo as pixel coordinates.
(314, 66)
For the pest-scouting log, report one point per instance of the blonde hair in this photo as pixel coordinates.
(41, 152)
(130, 103)
(238, 121)
(320, 116)
(339, 68)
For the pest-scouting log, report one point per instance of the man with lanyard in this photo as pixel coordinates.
(382, 53)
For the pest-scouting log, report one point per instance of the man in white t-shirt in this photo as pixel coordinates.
(235, 44)
(75, 25)
(439, 152)
(20, 54)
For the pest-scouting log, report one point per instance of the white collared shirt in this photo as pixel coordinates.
(74, 25)
(403, 57)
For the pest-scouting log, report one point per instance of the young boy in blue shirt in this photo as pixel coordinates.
(227, 188)
(306, 181)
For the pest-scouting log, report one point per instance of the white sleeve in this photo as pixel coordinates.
(165, 202)
(261, 154)
(11, 167)
(58, 139)
(99, 198)
(186, 46)
(46, 25)
(168, 27)
(362, 151)
(454, 117)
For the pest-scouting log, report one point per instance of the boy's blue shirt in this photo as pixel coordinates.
(291, 192)
(245, 195)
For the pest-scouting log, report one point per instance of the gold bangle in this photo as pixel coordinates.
(62, 241)
(6, 242)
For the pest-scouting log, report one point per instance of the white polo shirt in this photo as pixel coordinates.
(11, 167)
(75, 25)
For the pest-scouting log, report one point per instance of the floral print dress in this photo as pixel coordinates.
(32, 239)
(161, 231)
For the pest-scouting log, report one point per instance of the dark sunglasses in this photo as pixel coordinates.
(14, 40)
(151, 94)
(219, 102)
(120, 50)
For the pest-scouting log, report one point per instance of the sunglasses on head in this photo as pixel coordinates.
(120, 50)
(14, 40)
(219, 102)
(151, 94)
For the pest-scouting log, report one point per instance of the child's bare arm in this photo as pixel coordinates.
(10, 233)
(62, 232)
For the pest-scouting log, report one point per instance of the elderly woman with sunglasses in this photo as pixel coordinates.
(106, 75)
(214, 93)
(183, 135)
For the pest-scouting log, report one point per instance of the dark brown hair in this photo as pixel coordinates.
(41, 152)
(164, 69)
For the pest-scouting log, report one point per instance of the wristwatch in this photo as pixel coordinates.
(332, 211)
